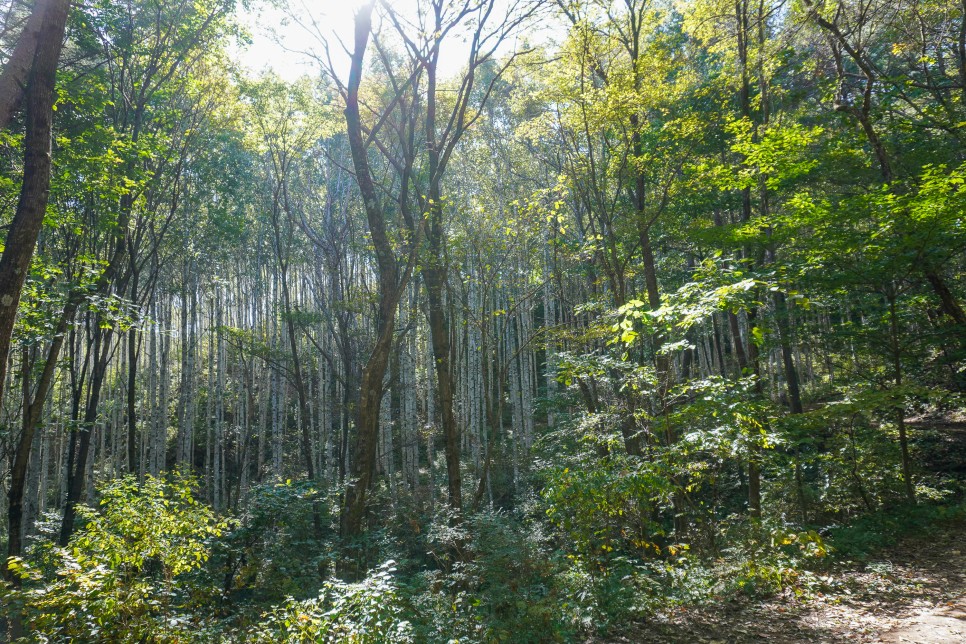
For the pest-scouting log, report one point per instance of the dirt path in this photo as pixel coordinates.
(947, 624)
(914, 593)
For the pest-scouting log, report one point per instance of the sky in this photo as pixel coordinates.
(280, 42)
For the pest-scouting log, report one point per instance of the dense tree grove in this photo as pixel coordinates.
(643, 311)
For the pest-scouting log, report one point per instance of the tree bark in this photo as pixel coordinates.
(77, 477)
(35, 190)
(133, 341)
(434, 279)
(900, 411)
(31, 419)
(13, 79)
(390, 288)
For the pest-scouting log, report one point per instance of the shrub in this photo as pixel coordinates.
(120, 577)
(495, 582)
(367, 612)
(273, 551)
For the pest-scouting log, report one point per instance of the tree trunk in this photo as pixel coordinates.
(439, 332)
(900, 411)
(15, 74)
(390, 288)
(133, 340)
(77, 476)
(35, 190)
(30, 421)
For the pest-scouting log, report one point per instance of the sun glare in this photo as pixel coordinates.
(290, 42)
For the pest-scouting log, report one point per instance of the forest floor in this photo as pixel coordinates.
(913, 592)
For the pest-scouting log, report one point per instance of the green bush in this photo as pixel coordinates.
(121, 578)
(370, 611)
(878, 530)
(273, 550)
(495, 582)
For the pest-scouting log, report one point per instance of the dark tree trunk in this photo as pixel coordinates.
(949, 304)
(900, 410)
(434, 278)
(32, 412)
(391, 285)
(77, 476)
(35, 190)
(132, 370)
(14, 78)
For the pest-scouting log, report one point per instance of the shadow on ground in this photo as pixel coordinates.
(912, 593)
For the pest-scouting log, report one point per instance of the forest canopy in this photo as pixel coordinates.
(505, 321)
